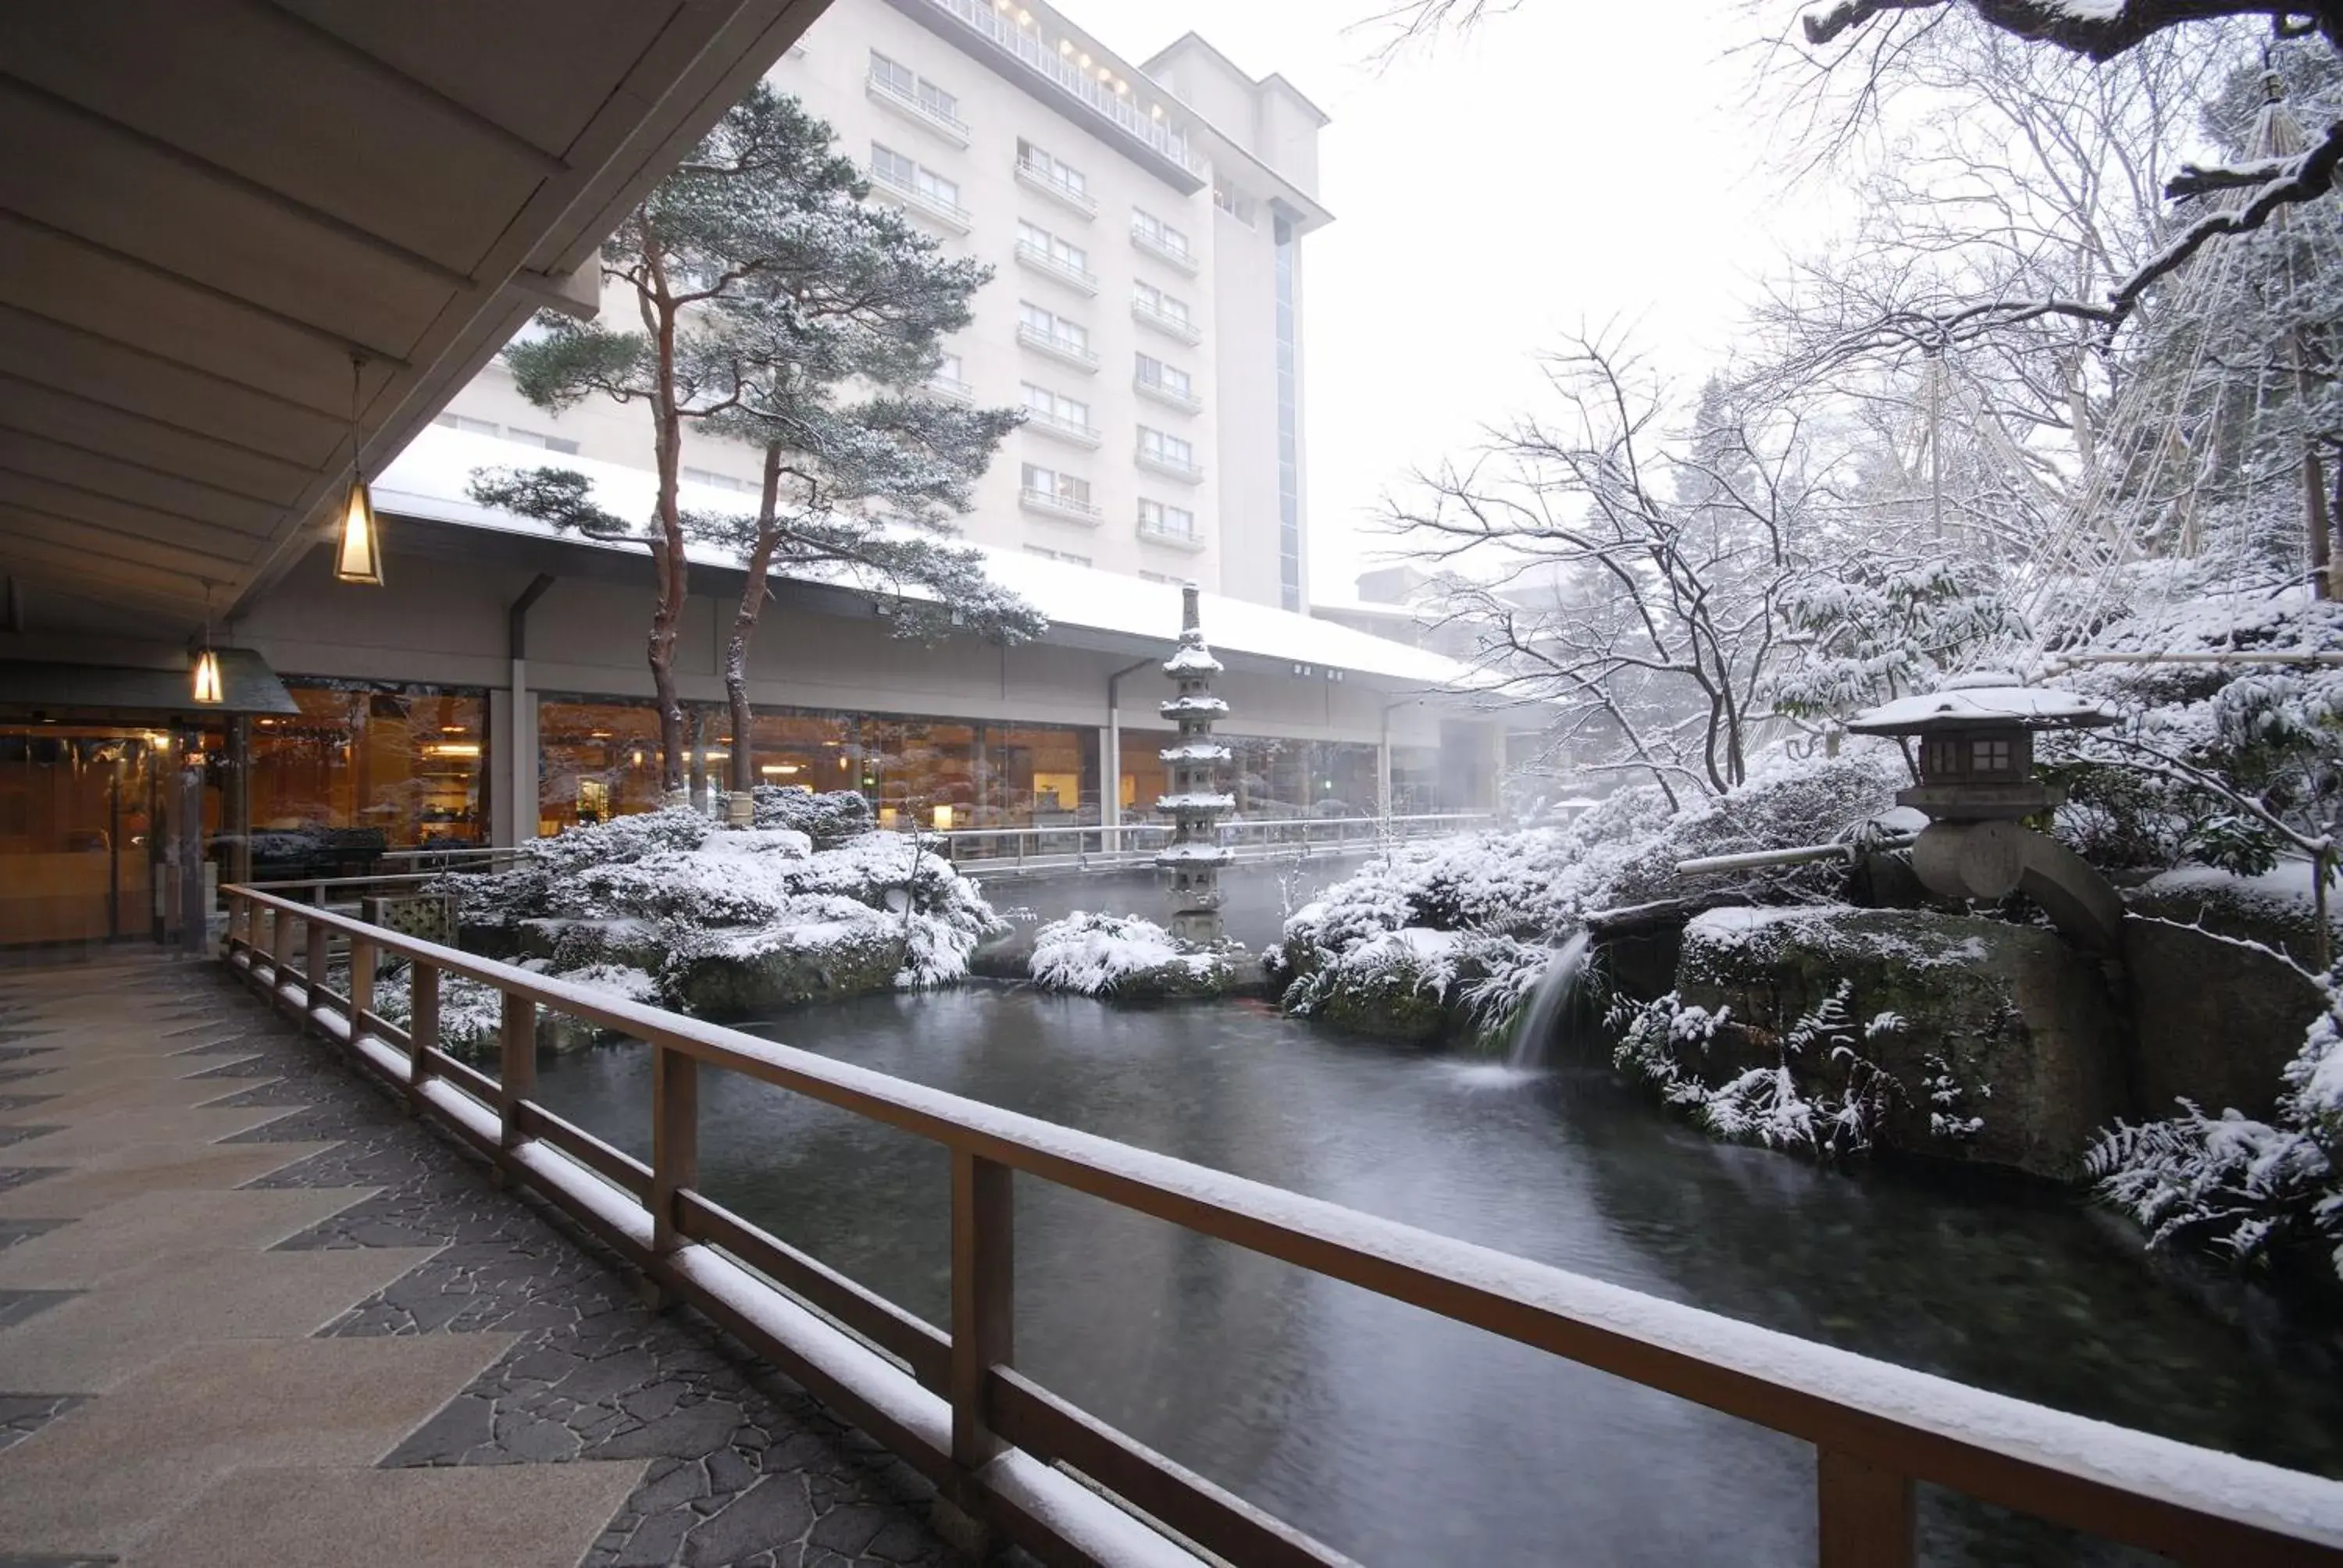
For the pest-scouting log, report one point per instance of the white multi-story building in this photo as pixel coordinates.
(1144, 225)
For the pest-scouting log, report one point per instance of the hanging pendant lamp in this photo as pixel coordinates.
(208, 688)
(357, 550)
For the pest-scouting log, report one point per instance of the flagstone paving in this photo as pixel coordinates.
(252, 1313)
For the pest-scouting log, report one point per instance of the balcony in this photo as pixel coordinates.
(1163, 392)
(951, 388)
(1164, 322)
(1185, 260)
(1072, 432)
(937, 209)
(1064, 509)
(1134, 116)
(927, 116)
(1187, 539)
(1033, 259)
(1072, 197)
(1170, 466)
(1064, 350)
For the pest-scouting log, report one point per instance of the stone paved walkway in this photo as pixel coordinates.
(252, 1314)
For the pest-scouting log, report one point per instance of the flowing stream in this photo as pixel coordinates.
(1539, 1029)
(1404, 1439)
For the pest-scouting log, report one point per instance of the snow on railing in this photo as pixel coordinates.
(953, 1406)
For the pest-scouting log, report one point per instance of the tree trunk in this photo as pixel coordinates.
(668, 551)
(744, 625)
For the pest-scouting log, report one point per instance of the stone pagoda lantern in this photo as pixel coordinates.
(1974, 766)
(1196, 804)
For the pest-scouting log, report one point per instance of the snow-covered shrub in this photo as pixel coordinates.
(1820, 1094)
(1128, 958)
(829, 819)
(1949, 1115)
(1500, 900)
(732, 920)
(2235, 1186)
(2273, 734)
(471, 1014)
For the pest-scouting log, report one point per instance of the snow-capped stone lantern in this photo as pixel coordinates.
(1975, 768)
(1195, 855)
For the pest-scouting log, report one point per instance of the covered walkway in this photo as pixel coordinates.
(251, 1313)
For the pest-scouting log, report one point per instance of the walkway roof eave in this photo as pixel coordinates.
(232, 200)
(1086, 609)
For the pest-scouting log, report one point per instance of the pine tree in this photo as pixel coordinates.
(779, 307)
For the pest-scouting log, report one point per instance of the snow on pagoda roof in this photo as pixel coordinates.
(1192, 658)
(430, 478)
(1973, 707)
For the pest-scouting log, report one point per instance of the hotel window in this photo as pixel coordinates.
(1171, 378)
(948, 368)
(892, 168)
(1053, 326)
(1157, 517)
(595, 760)
(1062, 175)
(1165, 448)
(1238, 207)
(1056, 406)
(715, 481)
(548, 443)
(1051, 555)
(1162, 304)
(466, 424)
(1050, 482)
(905, 82)
(1163, 234)
(363, 768)
(1050, 246)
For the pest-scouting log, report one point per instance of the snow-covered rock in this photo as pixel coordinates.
(809, 904)
(1972, 1039)
(1128, 959)
(1509, 897)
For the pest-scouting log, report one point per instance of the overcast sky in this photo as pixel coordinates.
(1568, 163)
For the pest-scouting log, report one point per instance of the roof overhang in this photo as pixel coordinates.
(214, 206)
(157, 687)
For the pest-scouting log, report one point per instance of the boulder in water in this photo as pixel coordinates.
(1998, 1042)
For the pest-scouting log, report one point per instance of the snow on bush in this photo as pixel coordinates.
(2273, 733)
(812, 880)
(1127, 957)
(2229, 1184)
(1766, 1103)
(471, 1012)
(829, 819)
(1505, 898)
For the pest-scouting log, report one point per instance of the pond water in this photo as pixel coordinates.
(1402, 1439)
(1256, 895)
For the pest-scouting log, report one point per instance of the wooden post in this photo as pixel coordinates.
(675, 1140)
(361, 985)
(313, 981)
(983, 1314)
(1865, 1514)
(516, 1066)
(281, 949)
(422, 1028)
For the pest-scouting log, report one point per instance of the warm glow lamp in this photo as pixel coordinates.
(207, 677)
(357, 552)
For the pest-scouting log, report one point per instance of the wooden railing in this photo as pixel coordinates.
(1000, 1447)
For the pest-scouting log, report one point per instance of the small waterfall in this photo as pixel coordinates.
(1550, 1006)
